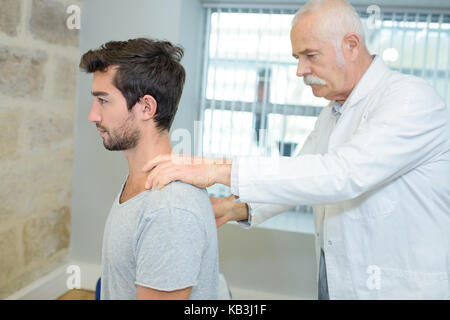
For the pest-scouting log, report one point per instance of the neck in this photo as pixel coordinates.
(150, 145)
(360, 68)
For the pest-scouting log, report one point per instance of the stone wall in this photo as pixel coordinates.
(38, 72)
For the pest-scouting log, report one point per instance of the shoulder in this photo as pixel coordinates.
(179, 197)
(177, 211)
(411, 88)
(402, 95)
(184, 196)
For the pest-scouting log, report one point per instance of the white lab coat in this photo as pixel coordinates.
(379, 183)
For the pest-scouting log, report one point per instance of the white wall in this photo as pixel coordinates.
(275, 262)
(270, 261)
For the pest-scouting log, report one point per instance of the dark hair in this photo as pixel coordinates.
(145, 66)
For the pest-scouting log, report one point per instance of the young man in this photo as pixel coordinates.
(157, 244)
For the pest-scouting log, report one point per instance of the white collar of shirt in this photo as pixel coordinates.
(336, 108)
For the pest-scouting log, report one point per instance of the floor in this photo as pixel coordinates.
(78, 294)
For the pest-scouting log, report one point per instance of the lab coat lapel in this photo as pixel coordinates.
(350, 118)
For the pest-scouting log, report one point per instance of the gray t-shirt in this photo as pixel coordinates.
(164, 239)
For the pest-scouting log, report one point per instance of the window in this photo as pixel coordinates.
(415, 43)
(253, 103)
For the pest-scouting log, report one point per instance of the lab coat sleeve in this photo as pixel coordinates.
(405, 130)
(260, 212)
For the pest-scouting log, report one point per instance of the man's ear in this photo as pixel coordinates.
(351, 46)
(148, 107)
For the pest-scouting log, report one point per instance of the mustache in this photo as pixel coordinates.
(309, 80)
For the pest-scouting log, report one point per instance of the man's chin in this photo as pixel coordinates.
(118, 146)
(110, 146)
(318, 90)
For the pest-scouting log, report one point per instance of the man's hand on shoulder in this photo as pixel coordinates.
(200, 172)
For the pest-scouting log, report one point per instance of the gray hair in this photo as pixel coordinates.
(337, 17)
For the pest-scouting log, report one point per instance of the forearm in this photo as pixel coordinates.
(221, 173)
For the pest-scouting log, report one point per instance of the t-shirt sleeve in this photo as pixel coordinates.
(169, 249)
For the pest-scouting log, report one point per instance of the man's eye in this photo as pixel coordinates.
(101, 101)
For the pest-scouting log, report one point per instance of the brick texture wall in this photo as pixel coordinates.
(38, 72)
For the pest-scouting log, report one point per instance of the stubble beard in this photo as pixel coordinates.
(123, 138)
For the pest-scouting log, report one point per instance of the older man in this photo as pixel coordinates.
(375, 168)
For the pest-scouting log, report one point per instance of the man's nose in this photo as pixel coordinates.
(302, 68)
(94, 114)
